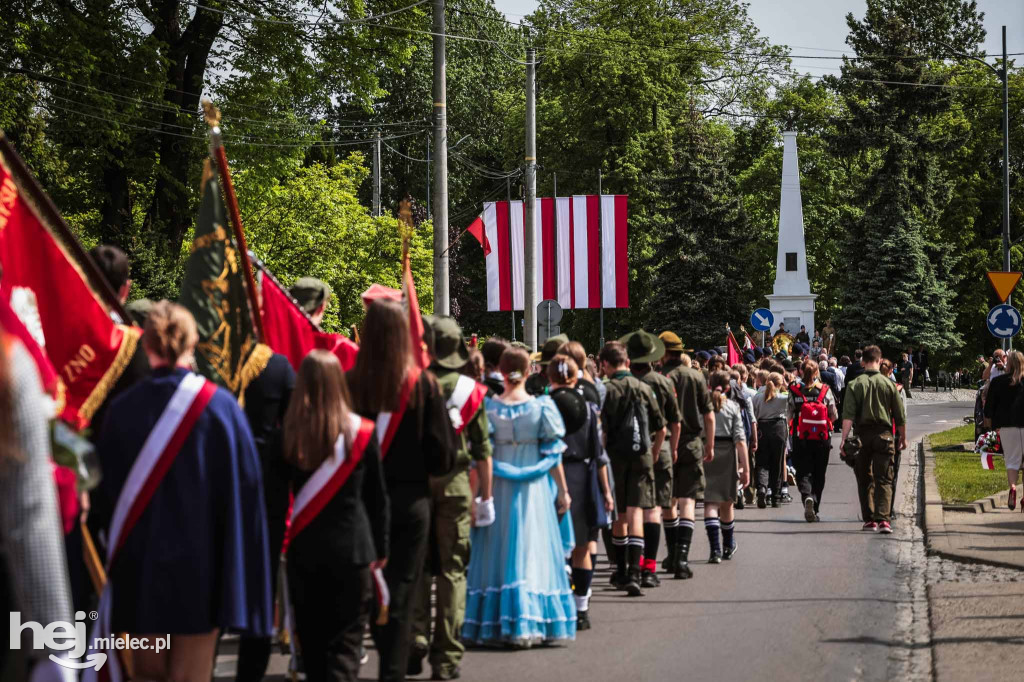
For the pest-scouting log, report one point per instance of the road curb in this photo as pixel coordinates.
(936, 536)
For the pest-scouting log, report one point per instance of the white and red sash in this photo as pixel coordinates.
(388, 422)
(466, 399)
(156, 457)
(330, 476)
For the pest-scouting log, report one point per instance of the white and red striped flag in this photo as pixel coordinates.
(581, 251)
(987, 461)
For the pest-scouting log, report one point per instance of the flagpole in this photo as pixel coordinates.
(41, 202)
(212, 115)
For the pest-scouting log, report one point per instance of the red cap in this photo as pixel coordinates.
(378, 292)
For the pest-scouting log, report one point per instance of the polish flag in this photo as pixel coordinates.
(987, 461)
(581, 252)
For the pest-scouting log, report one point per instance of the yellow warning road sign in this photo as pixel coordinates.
(1003, 283)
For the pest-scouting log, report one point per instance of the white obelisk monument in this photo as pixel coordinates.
(791, 302)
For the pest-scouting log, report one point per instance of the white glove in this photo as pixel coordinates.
(484, 512)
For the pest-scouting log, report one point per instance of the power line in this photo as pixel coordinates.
(293, 22)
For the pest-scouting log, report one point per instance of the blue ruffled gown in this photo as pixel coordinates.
(518, 591)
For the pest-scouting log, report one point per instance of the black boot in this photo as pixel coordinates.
(649, 579)
(632, 585)
(667, 563)
(761, 498)
(681, 567)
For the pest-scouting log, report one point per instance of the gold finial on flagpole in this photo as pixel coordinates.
(211, 113)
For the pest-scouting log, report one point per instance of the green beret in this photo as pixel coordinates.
(311, 293)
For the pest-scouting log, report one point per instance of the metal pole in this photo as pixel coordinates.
(441, 306)
(511, 278)
(430, 209)
(600, 255)
(376, 175)
(1006, 168)
(530, 209)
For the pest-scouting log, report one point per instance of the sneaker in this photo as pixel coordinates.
(739, 501)
(786, 498)
(816, 517)
(364, 656)
(870, 525)
(762, 502)
(582, 620)
(649, 579)
(715, 558)
(884, 528)
(450, 674)
(417, 653)
(729, 551)
(809, 510)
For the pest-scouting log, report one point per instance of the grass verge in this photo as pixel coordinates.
(959, 474)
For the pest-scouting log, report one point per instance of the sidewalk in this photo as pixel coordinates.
(992, 534)
(977, 626)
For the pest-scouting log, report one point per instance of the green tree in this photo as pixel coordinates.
(897, 289)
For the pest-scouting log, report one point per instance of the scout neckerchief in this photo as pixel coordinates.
(325, 483)
(158, 453)
(466, 399)
(388, 422)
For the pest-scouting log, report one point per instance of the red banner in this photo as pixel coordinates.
(289, 332)
(50, 293)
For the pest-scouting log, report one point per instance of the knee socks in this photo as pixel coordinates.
(684, 537)
(671, 531)
(581, 578)
(619, 547)
(634, 551)
(712, 526)
(652, 538)
(727, 533)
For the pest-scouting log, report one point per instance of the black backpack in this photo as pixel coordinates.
(631, 437)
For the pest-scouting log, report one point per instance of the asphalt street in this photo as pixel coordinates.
(799, 601)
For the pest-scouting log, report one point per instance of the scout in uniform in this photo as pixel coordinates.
(643, 350)
(674, 355)
(451, 502)
(696, 415)
(873, 405)
(629, 415)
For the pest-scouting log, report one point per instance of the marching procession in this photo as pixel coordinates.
(311, 486)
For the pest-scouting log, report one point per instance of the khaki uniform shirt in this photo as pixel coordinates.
(624, 388)
(872, 400)
(693, 399)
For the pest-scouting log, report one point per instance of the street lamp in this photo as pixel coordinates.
(1003, 75)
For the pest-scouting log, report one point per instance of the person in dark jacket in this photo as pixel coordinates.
(1002, 414)
(386, 385)
(586, 476)
(332, 554)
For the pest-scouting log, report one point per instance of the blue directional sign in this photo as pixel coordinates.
(1003, 321)
(762, 320)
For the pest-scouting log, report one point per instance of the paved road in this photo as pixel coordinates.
(799, 601)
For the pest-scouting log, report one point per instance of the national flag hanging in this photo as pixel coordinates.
(46, 283)
(581, 252)
(733, 354)
(290, 332)
(213, 290)
(476, 228)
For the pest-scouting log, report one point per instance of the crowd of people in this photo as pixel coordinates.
(486, 479)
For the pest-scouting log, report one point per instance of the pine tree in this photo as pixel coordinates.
(699, 281)
(897, 288)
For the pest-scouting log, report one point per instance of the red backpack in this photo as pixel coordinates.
(812, 422)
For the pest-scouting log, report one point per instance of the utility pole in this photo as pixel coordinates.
(600, 257)
(530, 209)
(430, 209)
(440, 160)
(376, 175)
(1005, 74)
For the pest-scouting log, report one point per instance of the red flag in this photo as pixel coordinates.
(476, 228)
(12, 324)
(735, 355)
(419, 350)
(46, 286)
(289, 332)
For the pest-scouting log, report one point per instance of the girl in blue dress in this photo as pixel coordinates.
(518, 591)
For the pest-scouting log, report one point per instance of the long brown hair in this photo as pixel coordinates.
(1015, 366)
(170, 331)
(515, 365)
(576, 351)
(385, 356)
(809, 371)
(719, 384)
(318, 412)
